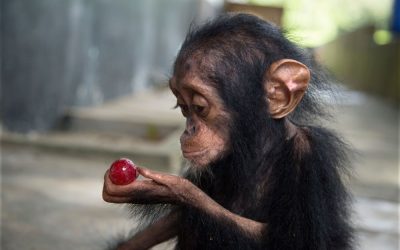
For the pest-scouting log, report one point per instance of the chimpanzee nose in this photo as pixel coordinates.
(190, 127)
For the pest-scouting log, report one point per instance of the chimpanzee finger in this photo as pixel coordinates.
(158, 177)
(114, 199)
(150, 196)
(134, 200)
(128, 190)
(106, 175)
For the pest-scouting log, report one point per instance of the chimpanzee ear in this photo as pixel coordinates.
(285, 83)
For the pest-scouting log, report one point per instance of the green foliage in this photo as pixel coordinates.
(312, 23)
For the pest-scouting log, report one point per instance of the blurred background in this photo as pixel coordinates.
(84, 82)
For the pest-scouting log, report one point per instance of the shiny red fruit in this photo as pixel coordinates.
(123, 172)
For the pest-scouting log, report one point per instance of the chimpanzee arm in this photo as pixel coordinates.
(190, 195)
(158, 232)
(207, 205)
(165, 188)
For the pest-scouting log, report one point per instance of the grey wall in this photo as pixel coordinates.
(58, 53)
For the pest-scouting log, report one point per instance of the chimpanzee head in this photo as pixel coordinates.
(237, 80)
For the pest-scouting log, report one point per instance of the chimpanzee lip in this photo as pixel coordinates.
(193, 153)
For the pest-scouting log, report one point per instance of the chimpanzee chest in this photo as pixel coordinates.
(200, 231)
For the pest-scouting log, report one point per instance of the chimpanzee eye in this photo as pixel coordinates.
(200, 110)
(184, 109)
(200, 105)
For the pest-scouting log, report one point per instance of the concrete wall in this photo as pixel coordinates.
(357, 61)
(58, 53)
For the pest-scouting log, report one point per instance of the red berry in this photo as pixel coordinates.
(123, 172)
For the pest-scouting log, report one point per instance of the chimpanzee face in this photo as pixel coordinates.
(206, 136)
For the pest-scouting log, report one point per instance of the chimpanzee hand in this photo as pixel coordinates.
(165, 188)
(158, 188)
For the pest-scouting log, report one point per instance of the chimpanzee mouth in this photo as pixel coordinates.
(193, 154)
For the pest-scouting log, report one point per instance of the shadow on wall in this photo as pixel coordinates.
(364, 65)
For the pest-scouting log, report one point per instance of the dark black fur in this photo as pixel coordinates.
(297, 190)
